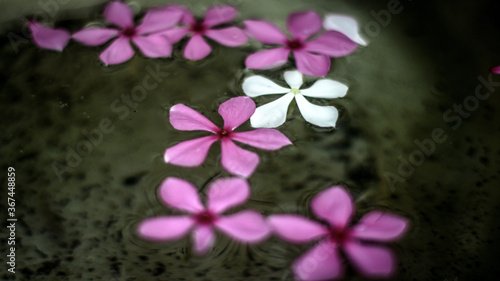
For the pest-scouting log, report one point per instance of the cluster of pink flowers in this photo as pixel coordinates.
(312, 43)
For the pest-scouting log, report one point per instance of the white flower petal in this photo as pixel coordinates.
(322, 116)
(293, 78)
(346, 25)
(255, 86)
(273, 114)
(325, 88)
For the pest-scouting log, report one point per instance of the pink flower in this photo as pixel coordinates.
(235, 159)
(246, 226)
(311, 57)
(197, 48)
(145, 36)
(49, 38)
(495, 70)
(323, 261)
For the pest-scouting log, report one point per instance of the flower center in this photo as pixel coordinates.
(339, 235)
(129, 32)
(224, 134)
(205, 217)
(198, 27)
(295, 91)
(295, 44)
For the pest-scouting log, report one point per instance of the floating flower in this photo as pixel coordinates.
(49, 38)
(323, 261)
(234, 159)
(311, 57)
(197, 48)
(345, 25)
(145, 36)
(273, 114)
(246, 226)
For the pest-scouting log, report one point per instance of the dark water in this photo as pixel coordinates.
(78, 223)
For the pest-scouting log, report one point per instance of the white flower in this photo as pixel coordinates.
(273, 114)
(345, 25)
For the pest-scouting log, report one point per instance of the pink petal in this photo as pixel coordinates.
(371, 261)
(189, 153)
(296, 229)
(219, 14)
(197, 48)
(322, 262)
(236, 111)
(332, 43)
(268, 139)
(237, 160)
(159, 19)
(311, 64)
(187, 17)
(203, 239)
(181, 195)
(187, 119)
(94, 36)
(265, 32)
(245, 226)
(230, 36)
(119, 14)
(267, 59)
(175, 35)
(380, 226)
(49, 38)
(165, 228)
(153, 46)
(303, 25)
(334, 205)
(226, 193)
(495, 69)
(119, 51)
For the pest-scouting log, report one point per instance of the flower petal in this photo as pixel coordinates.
(245, 226)
(153, 46)
(321, 262)
(371, 261)
(268, 139)
(273, 114)
(331, 43)
(265, 32)
(94, 36)
(344, 24)
(119, 14)
(380, 226)
(49, 38)
(495, 69)
(293, 79)
(236, 111)
(322, 116)
(267, 59)
(117, 52)
(311, 64)
(164, 228)
(219, 15)
(325, 88)
(187, 17)
(159, 19)
(187, 119)
(237, 160)
(296, 229)
(189, 153)
(180, 195)
(175, 35)
(334, 205)
(203, 238)
(226, 193)
(197, 48)
(257, 85)
(303, 25)
(230, 36)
